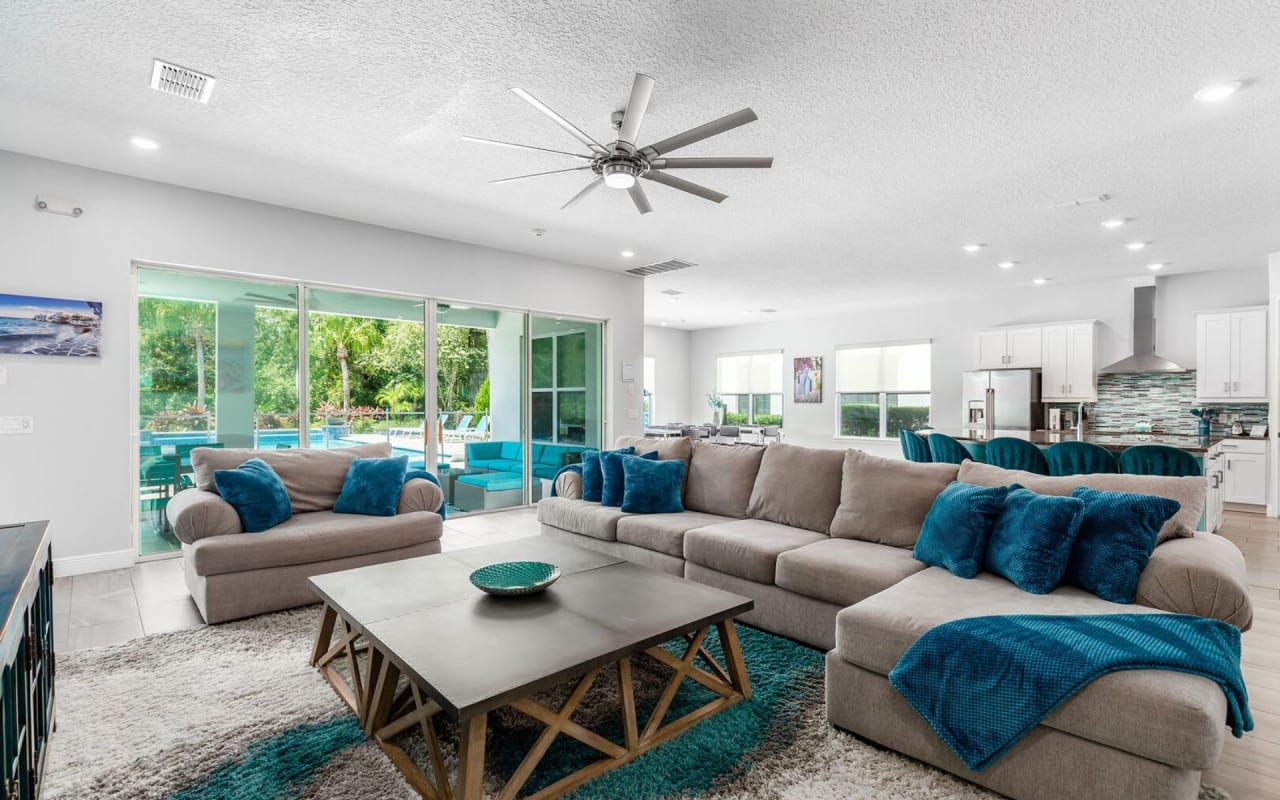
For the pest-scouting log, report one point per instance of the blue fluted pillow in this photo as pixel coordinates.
(257, 494)
(956, 529)
(1032, 539)
(1115, 541)
(615, 480)
(652, 487)
(592, 474)
(373, 486)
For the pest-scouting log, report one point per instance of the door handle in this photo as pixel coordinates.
(1235, 386)
(1068, 388)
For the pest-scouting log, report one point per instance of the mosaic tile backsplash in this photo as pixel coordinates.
(1163, 399)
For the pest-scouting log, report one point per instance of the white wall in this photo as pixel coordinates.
(951, 327)
(76, 468)
(670, 350)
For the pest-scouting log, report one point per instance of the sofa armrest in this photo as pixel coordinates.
(419, 494)
(1202, 575)
(569, 485)
(197, 514)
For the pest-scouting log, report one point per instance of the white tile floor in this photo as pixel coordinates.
(105, 608)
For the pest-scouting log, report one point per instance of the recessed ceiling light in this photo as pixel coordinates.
(143, 143)
(1112, 224)
(973, 247)
(1006, 264)
(1136, 245)
(628, 253)
(673, 299)
(461, 307)
(1154, 267)
(663, 324)
(1039, 281)
(1217, 92)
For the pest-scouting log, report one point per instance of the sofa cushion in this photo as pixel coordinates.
(1032, 539)
(843, 571)
(797, 486)
(955, 532)
(885, 500)
(311, 537)
(746, 548)
(667, 450)
(1115, 541)
(1189, 491)
(614, 486)
(580, 516)
(373, 486)
(313, 478)
(721, 478)
(257, 494)
(1170, 717)
(652, 486)
(664, 533)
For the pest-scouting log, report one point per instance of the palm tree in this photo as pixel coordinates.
(196, 330)
(190, 319)
(346, 338)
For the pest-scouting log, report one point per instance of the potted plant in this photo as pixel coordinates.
(714, 401)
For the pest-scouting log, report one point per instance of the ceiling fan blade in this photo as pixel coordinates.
(568, 126)
(538, 174)
(586, 190)
(641, 90)
(522, 146)
(639, 198)
(705, 131)
(686, 186)
(734, 162)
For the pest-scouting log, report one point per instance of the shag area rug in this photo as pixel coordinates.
(234, 712)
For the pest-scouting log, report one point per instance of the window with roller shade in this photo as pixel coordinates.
(750, 385)
(882, 389)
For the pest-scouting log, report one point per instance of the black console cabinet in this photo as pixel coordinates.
(26, 653)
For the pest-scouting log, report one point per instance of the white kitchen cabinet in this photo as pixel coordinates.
(1214, 472)
(1068, 363)
(1231, 355)
(1009, 348)
(1244, 475)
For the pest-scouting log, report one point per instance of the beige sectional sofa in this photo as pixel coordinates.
(822, 539)
(233, 574)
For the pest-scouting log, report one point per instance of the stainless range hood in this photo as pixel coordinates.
(1144, 358)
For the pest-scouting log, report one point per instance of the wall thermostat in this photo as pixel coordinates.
(58, 204)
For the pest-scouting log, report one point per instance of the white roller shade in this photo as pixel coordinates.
(755, 373)
(888, 368)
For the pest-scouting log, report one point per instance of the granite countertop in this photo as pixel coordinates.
(1114, 441)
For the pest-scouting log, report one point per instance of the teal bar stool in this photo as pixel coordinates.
(1080, 458)
(1157, 459)
(914, 446)
(1012, 453)
(946, 450)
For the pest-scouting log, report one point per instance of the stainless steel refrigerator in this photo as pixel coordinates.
(1002, 398)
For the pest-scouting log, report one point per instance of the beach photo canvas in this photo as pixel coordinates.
(49, 326)
(808, 379)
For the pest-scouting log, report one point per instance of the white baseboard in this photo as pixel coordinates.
(94, 562)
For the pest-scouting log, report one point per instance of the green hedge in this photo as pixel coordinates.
(863, 419)
(736, 418)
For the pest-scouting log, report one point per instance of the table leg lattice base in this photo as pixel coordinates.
(388, 705)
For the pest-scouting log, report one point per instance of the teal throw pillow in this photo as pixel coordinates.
(1116, 539)
(257, 494)
(956, 529)
(373, 486)
(614, 484)
(592, 475)
(1032, 539)
(652, 487)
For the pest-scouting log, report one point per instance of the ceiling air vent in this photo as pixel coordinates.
(180, 81)
(659, 267)
(672, 292)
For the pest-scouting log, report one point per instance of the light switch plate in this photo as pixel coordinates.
(17, 425)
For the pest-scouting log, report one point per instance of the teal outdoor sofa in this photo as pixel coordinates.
(548, 459)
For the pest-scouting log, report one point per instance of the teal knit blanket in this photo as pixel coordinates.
(984, 683)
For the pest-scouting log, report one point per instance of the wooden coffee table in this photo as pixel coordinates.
(418, 640)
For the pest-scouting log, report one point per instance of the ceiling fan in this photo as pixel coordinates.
(618, 164)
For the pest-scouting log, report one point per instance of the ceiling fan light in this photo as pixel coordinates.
(619, 176)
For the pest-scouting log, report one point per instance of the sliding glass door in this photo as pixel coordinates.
(217, 367)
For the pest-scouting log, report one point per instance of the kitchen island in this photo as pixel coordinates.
(1113, 440)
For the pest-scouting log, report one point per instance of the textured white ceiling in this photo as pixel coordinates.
(900, 130)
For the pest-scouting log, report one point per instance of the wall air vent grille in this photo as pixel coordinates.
(181, 82)
(659, 267)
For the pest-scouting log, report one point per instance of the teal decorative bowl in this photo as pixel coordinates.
(514, 578)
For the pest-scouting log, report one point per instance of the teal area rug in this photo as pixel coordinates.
(233, 712)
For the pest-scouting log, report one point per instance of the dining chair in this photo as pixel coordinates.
(730, 432)
(914, 446)
(946, 450)
(1080, 458)
(1159, 459)
(1011, 452)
